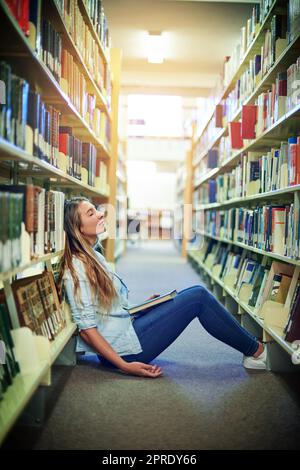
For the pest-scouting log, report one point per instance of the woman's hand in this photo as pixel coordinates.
(153, 296)
(142, 370)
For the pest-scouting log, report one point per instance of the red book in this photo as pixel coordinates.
(293, 164)
(13, 5)
(235, 132)
(64, 143)
(249, 114)
(97, 172)
(24, 16)
(219, 115)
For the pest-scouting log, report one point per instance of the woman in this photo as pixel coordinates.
(97, 297)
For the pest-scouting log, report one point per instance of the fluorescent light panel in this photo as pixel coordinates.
(155, 48)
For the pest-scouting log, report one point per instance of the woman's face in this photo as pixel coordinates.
(92, 220)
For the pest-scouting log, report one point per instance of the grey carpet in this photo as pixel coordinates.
(205, 400)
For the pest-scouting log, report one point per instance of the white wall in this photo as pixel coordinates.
(148, 188)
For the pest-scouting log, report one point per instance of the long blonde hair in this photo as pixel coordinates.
(76, 245)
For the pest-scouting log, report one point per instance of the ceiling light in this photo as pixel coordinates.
(155, 48)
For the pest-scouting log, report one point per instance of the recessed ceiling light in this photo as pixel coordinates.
(155, 47)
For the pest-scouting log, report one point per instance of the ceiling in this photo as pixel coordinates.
(198, 35)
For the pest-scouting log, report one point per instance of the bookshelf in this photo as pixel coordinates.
(96, 125)
(212, 204)
(274, 332)
(121, 200)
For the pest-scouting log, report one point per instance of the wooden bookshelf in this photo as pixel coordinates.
(116, 58)
(17, 397)
(289, 55)
(272, 331)
(270, 254)
(40, 259)
(30, 66)
(57, 346)
(42, 170)
(278, 193)
(285, 127)
(54, 14)
(280, 130)
(18, 166)
(121, 200)
(251, 51)
(87, 19)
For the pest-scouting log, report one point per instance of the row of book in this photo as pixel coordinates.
(27, 122)
(96, 14)
(284, 92)
(9, 366)
(255, 173)
(48, 42)
(86, 44)
(34, 225)
(269, 107)
(285, 26)
(272, 228)
(248, 34)
(79, 159)
(246, 85)
(255, 281)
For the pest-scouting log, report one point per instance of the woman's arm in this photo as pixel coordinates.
(99, 343)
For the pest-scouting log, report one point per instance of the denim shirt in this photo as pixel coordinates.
(116, 327)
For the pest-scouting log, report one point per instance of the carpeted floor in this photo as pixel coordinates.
(205, 400)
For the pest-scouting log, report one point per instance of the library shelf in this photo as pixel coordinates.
(248, 199)
(270, 254)
(274, 134)
(38, 75)
(61, 340)
(216, 139)
(209, 174)
(274, 332)
(55, 15)
(17, 397)
(87, 18)
(44, 169)
(287, 57)
(253, 48)
(39, 259)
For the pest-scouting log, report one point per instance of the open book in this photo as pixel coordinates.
(152, 302)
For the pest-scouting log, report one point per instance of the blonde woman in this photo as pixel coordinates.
(97, 297)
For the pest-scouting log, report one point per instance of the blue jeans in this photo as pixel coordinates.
(159, 326)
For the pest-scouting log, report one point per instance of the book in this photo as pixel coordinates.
(152, 302)
(292, 329)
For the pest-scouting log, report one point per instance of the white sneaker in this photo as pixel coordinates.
(259, 362)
